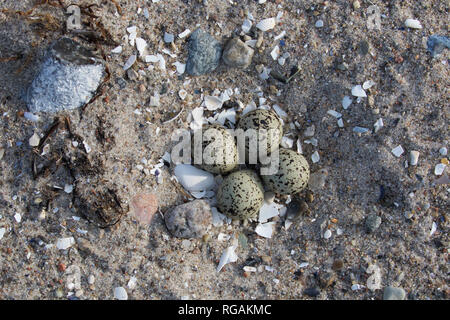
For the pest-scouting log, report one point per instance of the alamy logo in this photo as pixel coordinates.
(74, 20)
(215, 146)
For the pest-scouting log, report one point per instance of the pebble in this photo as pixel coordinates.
(91, 279)
(319, 24)
(372, 222)
(392, 293)
(443, 151)
(436, 44)
(132, 75)
(326, 279)
(358, 91)
(120, 293)
(237, 54)
(327, 234)
(297, 209)
(346, 102)
(414, 157)
(312, 292)
(189, 220)
(143, 207)
(309, 132)
(194, 179)
(168, 37)
(68, 78)
(204, 53)
(356, 5)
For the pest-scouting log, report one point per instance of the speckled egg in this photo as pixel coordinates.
(222, 153)
(262, 119)
(292, 175)
(241, 195)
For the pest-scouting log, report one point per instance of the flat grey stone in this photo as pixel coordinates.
(189, 220)
(204, 53)
(68, 78)
(392, 293)
(237, 54)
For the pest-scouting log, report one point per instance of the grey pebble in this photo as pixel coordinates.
(189, 220)
(372, 222)
(237, 54)
(393, 293)
(204, 53)
(312, 292)
(436, 44)
(68, 78)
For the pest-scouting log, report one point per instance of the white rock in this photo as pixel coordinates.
(397, 151)
(265, 229)
(443, 151)
(65, 243)
(213, 103)
(68, 188)
(194, 179)
(266, 24)
(439, 169)
(181, 67)
(117, 50)
(120, 293)
(2, 232)
(358, 91)
(340, 123)
(34, 140)
(132, 283)
(268, 211)
(413, 23)
(346, 102)
(413, 157)
(18, 217)
(327, 234)
(319, 24)
(315, 157)
(228, 256)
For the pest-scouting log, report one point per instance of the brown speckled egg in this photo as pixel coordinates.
(241, 195)
(262, 119)
(292, 175)
(228, 159)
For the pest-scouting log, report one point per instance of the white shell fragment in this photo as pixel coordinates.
(397, 151)
(275, 52)
(358, 91)
(413, 157)
(268, 211)
(265, 229)
(413, 24)
(65, 243)
(266, 24)
(184, 33)
(68, 188)
(120, 293)
(439, 169)
(315, 157)
(2, 232)
(34, 140)
(443, 151)
(131, 60)
(117, 50)
(168, 37)
(287, 142)
(141, 44)
(346, 102)
(327, 234)
(228, 256)
(368, 84)
(334, 113)
(246, 25)
(181, 67)
(378, 125)
(193, 179)
(213, 103)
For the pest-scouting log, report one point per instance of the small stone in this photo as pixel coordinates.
(91, 279)
(2, 153)
(436, 44)
(326, 279)
(312, 292)
(319, 24)
(59, 293)
(337, 265)
(309, 132)
(168, 37)
(414, 157)
(65, 243)
(413, 24)
(189, 220)
(372, 222)
(143, 207)
(237, 54)
(204, 53)
(68, 78)
(132, 75)
(443, 151)
(356, 5)
(327, 234)
(392, 293)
